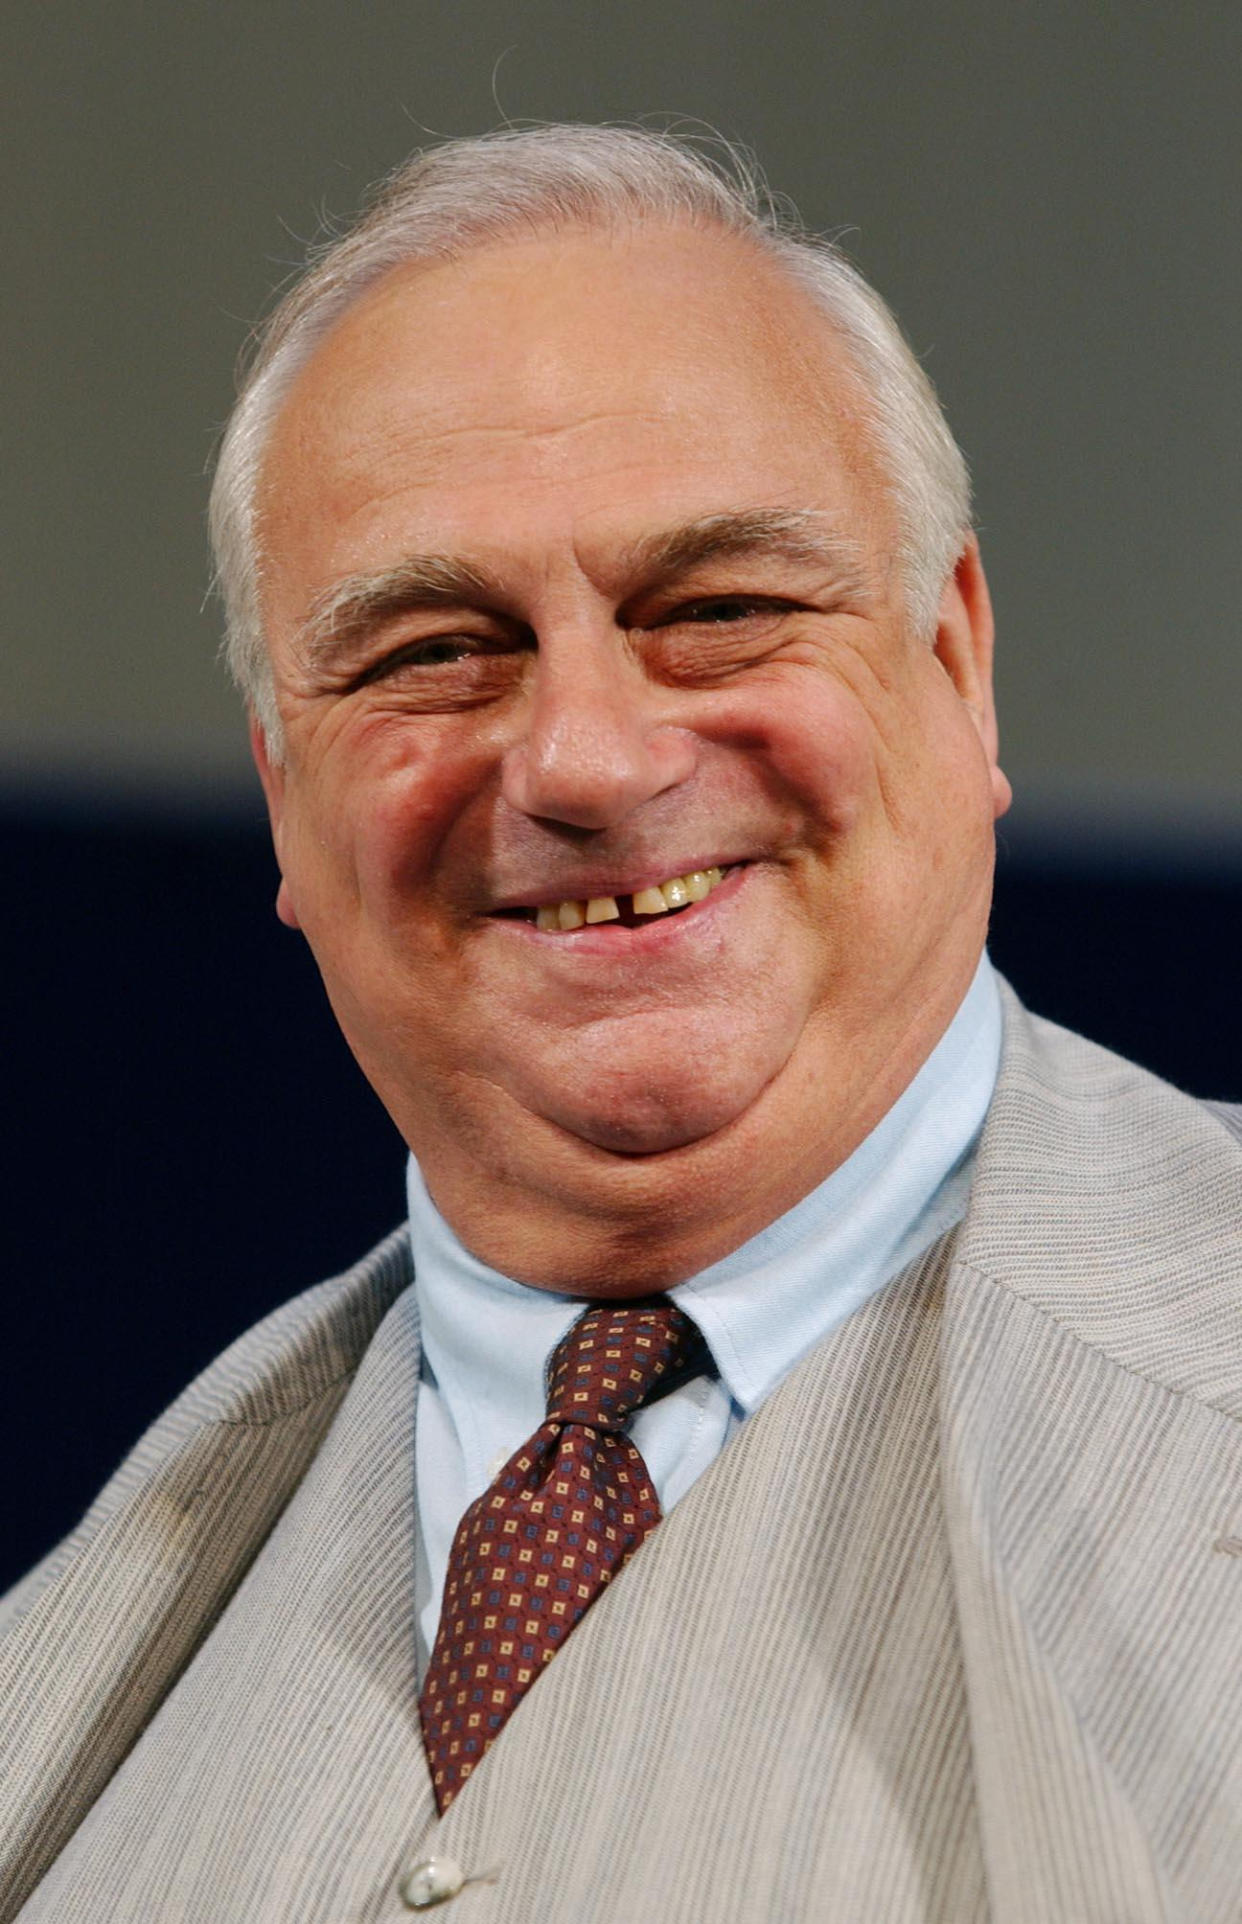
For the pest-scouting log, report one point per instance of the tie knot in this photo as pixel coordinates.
(614, 1358)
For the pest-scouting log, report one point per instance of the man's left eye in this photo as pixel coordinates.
(727, 608)
(442, 648)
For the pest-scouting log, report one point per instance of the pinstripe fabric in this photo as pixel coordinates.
(988, 1526)
(298, 1710)
(766, 1603)
(109, 1622)
(1093, 1479)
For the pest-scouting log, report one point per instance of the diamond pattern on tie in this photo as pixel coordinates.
(564, 1514)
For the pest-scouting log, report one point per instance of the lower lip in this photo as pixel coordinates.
(608, 940)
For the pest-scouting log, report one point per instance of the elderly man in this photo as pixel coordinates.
(789, 1465)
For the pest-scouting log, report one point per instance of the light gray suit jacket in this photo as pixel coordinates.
(952, 1630)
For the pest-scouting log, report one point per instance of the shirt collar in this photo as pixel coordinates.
(764, 1306)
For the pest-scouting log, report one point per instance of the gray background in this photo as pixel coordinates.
(1046, 194)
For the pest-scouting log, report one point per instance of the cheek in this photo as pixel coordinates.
(372, 820)
(357, 867)
(895, 744)
(816, 749)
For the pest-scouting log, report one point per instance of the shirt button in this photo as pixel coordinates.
(433, 1881)
(496, 1465)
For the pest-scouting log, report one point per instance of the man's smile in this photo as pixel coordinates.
(619, 928)
(628, 907)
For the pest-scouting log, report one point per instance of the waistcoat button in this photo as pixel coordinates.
(433, 1881)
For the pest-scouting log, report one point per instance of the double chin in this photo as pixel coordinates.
(670, 1081)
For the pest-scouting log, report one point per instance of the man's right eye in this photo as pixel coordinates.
(434, 651)
(452, 669)
(425, 654)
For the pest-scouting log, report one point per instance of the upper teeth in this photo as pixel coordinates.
(673, 894)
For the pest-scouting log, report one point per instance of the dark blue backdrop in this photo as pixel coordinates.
(190, 1141)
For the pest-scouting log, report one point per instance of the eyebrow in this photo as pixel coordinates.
(338, 618)
(799, 535)
(343, 614)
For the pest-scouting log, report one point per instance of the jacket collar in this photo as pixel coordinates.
(1091, 1464)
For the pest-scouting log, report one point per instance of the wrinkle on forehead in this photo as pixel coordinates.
(440, 442)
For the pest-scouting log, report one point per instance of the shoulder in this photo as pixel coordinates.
(1112, 1202)
(301, 1353)
(1230, 1113)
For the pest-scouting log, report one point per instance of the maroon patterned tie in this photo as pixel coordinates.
(535, 1550)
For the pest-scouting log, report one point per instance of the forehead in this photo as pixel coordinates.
(584, 385)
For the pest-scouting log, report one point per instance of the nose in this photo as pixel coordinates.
(594, 747)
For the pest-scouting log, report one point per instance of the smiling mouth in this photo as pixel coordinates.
(679, 892)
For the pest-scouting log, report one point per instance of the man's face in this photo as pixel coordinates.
(579, 578)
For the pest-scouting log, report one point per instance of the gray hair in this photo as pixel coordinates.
(467, 193)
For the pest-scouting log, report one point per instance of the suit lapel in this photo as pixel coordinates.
(1092, 1462)
(105, 1638)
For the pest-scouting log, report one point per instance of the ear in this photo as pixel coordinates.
(272, 776)
(963, 647)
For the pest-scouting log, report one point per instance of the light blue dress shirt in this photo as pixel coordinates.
(486, 1340)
